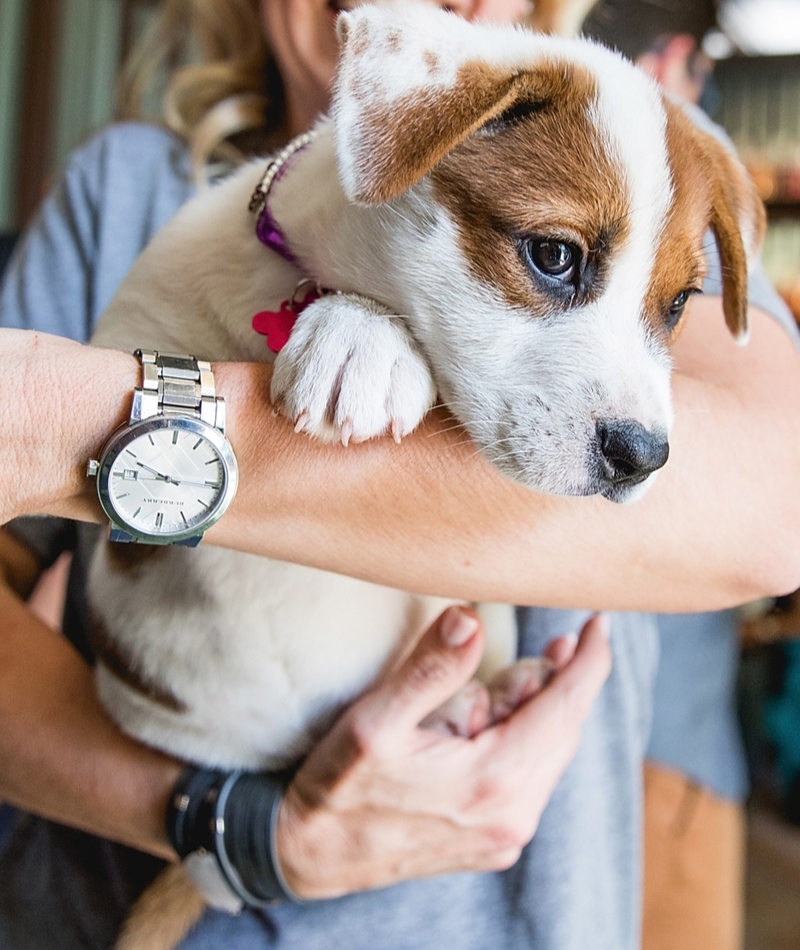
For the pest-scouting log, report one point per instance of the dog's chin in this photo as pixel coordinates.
(625, 493)
(582, 480)
(621, 493)
(545, 482)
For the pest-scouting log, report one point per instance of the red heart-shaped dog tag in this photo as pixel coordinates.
(276, 325)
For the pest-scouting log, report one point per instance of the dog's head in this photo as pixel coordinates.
(571, 202)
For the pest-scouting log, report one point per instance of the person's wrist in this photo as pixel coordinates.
(229, 819)
(303, 846)
(48, 440)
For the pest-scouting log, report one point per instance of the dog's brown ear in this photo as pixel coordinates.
(413, 81)
(738, 221)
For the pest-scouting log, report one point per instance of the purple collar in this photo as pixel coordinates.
(267, 229)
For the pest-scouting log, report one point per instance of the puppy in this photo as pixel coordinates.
(512, 221)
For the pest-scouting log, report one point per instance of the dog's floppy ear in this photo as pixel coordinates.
(738, 221)
(413, 81)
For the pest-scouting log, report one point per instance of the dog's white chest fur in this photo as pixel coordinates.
(242, 661)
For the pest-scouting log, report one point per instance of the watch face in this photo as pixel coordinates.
(167, 479)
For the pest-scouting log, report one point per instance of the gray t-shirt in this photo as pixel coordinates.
(577, 884)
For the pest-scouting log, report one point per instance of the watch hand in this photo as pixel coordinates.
(186, 481)
(159, 475)
(175, 481)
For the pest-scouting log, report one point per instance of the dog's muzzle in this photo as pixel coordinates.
(627, 454)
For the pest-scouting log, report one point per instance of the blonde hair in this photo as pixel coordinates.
(206, 62)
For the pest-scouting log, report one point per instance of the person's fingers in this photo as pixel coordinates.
(582, 678)
(567, 699)
(444, 659)
(562, 649)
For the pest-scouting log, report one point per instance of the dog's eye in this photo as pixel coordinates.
(676, 308)
(558, 260)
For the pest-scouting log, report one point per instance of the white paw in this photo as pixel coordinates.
(351, 371)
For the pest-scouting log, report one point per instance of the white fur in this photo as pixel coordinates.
(263, 653)
(350, 359)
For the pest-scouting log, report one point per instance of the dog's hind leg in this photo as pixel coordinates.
(163, 914)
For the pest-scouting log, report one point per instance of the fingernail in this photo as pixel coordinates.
(457, 627)
(571, 639)
(604, 625)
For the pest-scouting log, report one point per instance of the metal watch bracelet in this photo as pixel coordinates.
(177, 384)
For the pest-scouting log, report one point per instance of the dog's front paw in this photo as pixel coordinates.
(352, 371)
(515, 684)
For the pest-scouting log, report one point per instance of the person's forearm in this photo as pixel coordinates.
(59, 400)
(61, 755)
(719, 526)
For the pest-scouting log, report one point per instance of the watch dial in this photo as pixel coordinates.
(166, 481)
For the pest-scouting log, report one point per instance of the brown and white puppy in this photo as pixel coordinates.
(515, 222)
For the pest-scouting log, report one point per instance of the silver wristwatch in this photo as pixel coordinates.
(170, 473)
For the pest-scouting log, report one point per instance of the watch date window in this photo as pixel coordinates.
(130, 475)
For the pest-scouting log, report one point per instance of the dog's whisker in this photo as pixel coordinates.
(442, 430)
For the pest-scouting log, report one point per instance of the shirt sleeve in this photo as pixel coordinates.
(116, 192)
(49, 278)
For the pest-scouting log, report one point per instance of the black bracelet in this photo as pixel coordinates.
(233, 816)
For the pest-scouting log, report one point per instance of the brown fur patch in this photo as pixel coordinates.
(164, 914)
(114, 655)
(358, 40)
(394, 41)
(431, 61)
(711, 189)
(401, 142)
(545, 175)
(679, 262)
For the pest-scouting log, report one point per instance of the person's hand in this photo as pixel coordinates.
(381, 800)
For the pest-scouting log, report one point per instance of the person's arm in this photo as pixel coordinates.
(719, 527)
(61, 755)
(452, 806)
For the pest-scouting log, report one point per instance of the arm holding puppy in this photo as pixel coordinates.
(718, 528)
(102, 781)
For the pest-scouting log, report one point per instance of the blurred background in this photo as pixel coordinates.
(58, 64)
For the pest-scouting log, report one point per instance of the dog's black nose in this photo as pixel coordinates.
(628, 452)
